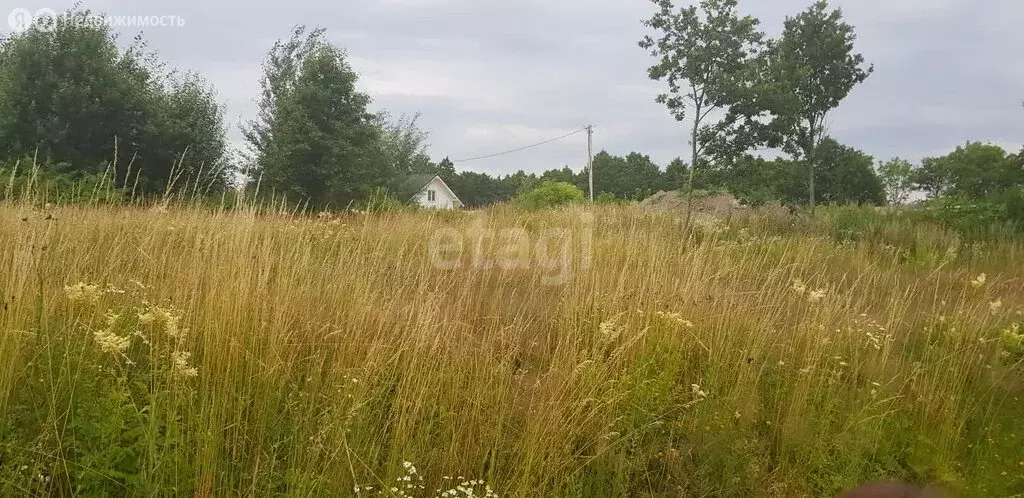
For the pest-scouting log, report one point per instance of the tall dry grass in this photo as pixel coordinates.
(767, 356)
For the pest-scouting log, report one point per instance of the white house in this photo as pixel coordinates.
(432, 192)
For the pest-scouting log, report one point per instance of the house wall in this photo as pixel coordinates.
(442, 199)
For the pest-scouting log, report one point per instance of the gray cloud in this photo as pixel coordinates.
(490, 75)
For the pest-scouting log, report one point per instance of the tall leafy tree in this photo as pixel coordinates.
(610, 175)
(404, 144)
(755, 180)
(480, 189)
(315, 138)
(633, 177)
(280, 74)
(566, 175)
(675, 175)
(74, 97)
(642, 177)
(702, 55)
(810, 70)
(847, 175)
(897, 178)
(446, 168)
(974, 170)
(520, 181)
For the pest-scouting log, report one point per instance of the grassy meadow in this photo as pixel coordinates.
(583, 352)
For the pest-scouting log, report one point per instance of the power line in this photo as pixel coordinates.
(581, 130)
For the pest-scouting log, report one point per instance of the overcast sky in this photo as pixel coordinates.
(491, 75)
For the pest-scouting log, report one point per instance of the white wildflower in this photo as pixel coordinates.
(677, 317)
(816, 296)
(697, 391)
(181, 366)
(82, 292)
(111, 318)
(164, 319)
(995, 306)
(979, 281)
(608, 330)
(111, 343)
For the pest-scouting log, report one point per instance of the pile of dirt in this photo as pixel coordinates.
(716, 205)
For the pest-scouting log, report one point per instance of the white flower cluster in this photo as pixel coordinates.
(1012, 340)
(697, 391)
(468, 488)
(111, 343)
(164, 319)
(181, 366)
(83, 292)
(676, 317)
(411, 483)
(609, 331)
(995, 306)
(707, 224)
(813, 296)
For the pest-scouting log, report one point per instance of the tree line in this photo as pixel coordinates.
(846, 175)
(81, 107)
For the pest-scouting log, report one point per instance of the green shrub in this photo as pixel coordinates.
(978, 217)
(42, 184)
(549, 195)
(381, 200)
(756, 196)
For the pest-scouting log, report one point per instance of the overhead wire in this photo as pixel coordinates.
(488, 156)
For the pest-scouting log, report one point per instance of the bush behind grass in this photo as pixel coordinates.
(549, 195)
(774, 355)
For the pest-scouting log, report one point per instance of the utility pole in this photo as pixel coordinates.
(590, 158)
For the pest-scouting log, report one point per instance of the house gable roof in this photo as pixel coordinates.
(450, 191)
(414, 184)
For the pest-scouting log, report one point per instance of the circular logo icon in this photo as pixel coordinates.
(19, 20)
(45, 19)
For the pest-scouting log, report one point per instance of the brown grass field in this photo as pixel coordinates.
(583, 352)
